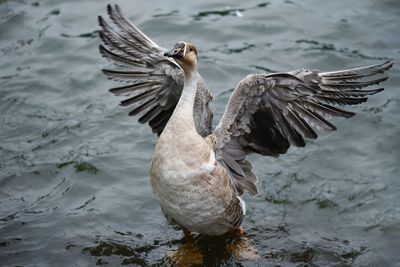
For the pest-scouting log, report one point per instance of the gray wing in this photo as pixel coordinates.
(154, 82)
(268, 113)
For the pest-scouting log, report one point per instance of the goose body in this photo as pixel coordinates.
(184, 173)
(199, 174)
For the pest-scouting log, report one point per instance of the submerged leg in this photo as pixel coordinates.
(239, 231)
(187, 235)
(188, 253)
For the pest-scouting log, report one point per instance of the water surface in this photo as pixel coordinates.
(74, 183)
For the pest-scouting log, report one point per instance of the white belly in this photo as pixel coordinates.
(188, 196)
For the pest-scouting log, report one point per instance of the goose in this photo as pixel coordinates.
(200, 173)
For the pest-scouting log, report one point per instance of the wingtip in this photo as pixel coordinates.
(101, 50)
(112, 10)
(350, 114)
(114, 94)
(375, 91)
(390, 60)
(100, 20)
(109, 8)
(384, 78)
(105, 72)
(390, 64)
(116, 6)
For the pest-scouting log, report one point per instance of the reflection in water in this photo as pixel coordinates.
(210, 251)
(188, 254)
(200, 251)
(270, 246)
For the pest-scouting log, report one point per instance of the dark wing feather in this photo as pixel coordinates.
(268, 113)
(155, 82)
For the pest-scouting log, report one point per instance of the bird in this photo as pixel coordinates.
(199, 173)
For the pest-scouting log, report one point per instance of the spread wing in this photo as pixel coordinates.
(268, 113)
(154, 82)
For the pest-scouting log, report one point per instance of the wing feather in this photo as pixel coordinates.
(154, 82)
(268, 113)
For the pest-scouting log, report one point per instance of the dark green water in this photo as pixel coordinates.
(74, 184)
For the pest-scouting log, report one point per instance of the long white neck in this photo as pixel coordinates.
(182, 117)
(188, 93)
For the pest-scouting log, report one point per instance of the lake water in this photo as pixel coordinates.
(74, 182)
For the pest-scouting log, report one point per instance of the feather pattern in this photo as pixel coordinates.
(154, 81)
(268, 113)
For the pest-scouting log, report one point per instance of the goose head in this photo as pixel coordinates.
(185, 54)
